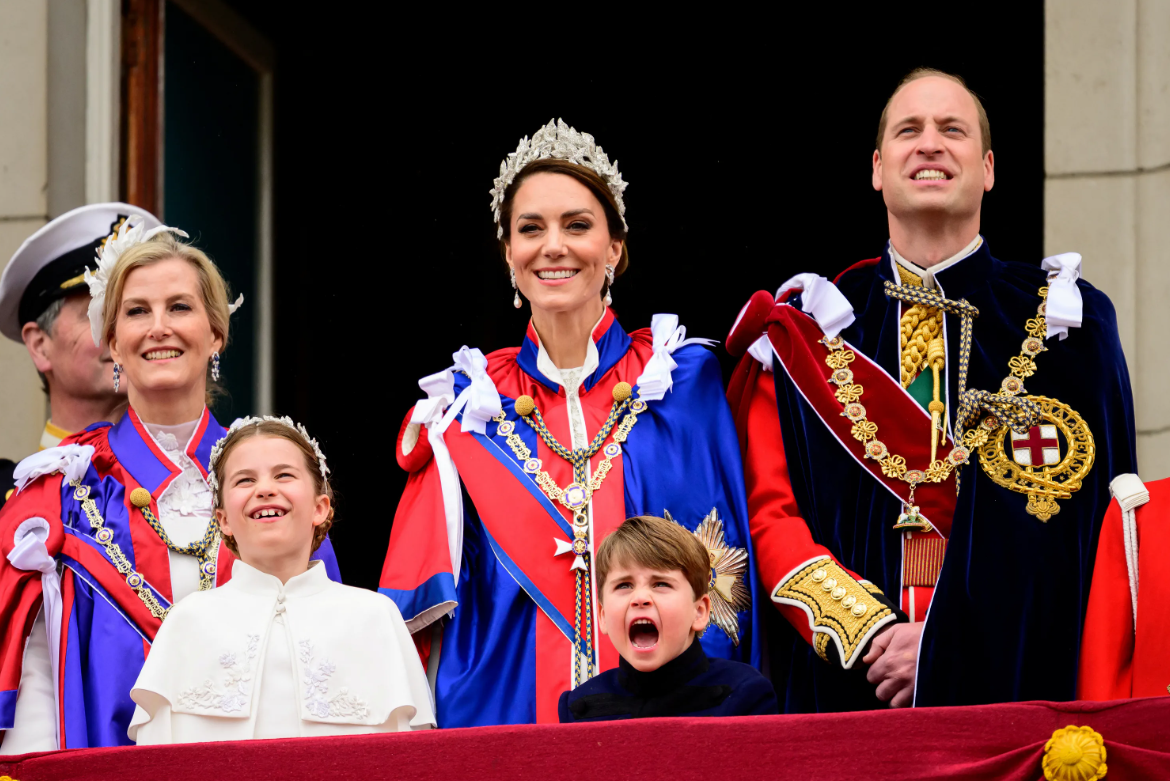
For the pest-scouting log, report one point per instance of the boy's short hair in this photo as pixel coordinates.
(657, 544)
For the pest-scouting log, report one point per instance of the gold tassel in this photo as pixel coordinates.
(936, 354)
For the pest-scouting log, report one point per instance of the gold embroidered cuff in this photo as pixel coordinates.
(841, 610)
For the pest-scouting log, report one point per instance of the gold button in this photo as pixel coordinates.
(819, 575)
(524, 406)
(849, 601)
(838, 592)
(140, 497)
(829, 584)
(622, 391)
(859, 610)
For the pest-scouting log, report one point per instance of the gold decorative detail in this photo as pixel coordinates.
(77, 280)
(1043, 484)
(622, 391)
(1074, 754)
(839, 359)
(850, 617)
(525, 405)
(106, 539)
(893, 466)
(848, 393)
(864, 430)
(729, 594)
(920, 325)
(140, 497)
(9, 494)
(1022, 366)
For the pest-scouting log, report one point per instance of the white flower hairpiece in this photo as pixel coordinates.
(240, 423)
(558, 140)
(130, 232)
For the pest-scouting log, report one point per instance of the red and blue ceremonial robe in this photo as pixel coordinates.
(1002, 590)
(115, 575)
(475, 543)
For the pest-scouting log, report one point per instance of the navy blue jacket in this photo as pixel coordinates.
(691, 684)
(1005, 621)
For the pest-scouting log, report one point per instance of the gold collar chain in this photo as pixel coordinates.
(892, 465)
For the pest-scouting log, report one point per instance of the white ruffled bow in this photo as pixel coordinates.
(72, 460)
(30, 555)
(1065, 308)
(821, 299)
(480, 402)
(668, 336)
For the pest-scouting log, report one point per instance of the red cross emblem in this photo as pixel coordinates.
(1039, 447)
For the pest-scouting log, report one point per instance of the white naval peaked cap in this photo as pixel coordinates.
(49, 263)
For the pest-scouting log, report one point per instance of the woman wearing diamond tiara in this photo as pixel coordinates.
(281, 651)
(523, 460)
(126, 509)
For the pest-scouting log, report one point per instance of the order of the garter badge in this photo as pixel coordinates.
(1047, 462)
(1050, 459)
(729, 593)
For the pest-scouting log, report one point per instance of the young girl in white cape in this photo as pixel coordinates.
(280, 650)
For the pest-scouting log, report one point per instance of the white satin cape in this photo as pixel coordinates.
(256, 658)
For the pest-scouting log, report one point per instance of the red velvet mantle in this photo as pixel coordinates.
(1000, 742)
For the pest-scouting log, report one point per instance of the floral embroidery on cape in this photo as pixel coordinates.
(316, 680)
(237, 685)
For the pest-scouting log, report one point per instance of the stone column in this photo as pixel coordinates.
(23, 202)
(1107, 189)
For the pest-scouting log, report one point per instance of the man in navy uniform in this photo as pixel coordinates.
(44, 304)
(937, 430)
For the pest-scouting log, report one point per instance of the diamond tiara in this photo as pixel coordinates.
(558, 140)
(240, 423)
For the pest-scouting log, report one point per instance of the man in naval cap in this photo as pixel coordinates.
(44, 303)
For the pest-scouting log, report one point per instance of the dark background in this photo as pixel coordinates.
(748, 160)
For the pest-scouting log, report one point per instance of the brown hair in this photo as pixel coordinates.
(269, 428)
(658, 544)
(922, 73)
(586, 176)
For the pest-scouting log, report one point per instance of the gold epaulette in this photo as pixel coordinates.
(841, 609)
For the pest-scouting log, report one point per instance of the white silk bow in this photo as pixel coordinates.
(1065, 308)
(479, 402)
(821, 299)
(30, 555)
(668, 336)
(72, 460)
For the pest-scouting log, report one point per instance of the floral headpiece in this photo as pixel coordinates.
(131, 232)
(240, 423)
(558, 140)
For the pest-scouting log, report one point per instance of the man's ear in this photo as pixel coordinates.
(38, 344)
(988, 171)
(702, 613)
(877, 170)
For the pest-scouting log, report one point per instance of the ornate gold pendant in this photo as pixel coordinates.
(729, 593)
(1046, 463)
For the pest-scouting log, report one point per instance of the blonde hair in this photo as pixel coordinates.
(922, 73)
(270, 428)
(165, 246)
(657, 544)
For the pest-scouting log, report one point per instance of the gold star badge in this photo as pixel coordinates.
(729, 593)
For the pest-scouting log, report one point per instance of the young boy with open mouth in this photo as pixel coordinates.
(653, 577)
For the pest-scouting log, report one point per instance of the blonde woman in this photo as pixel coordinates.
(110, 529)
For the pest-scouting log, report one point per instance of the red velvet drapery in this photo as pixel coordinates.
(992, 742)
